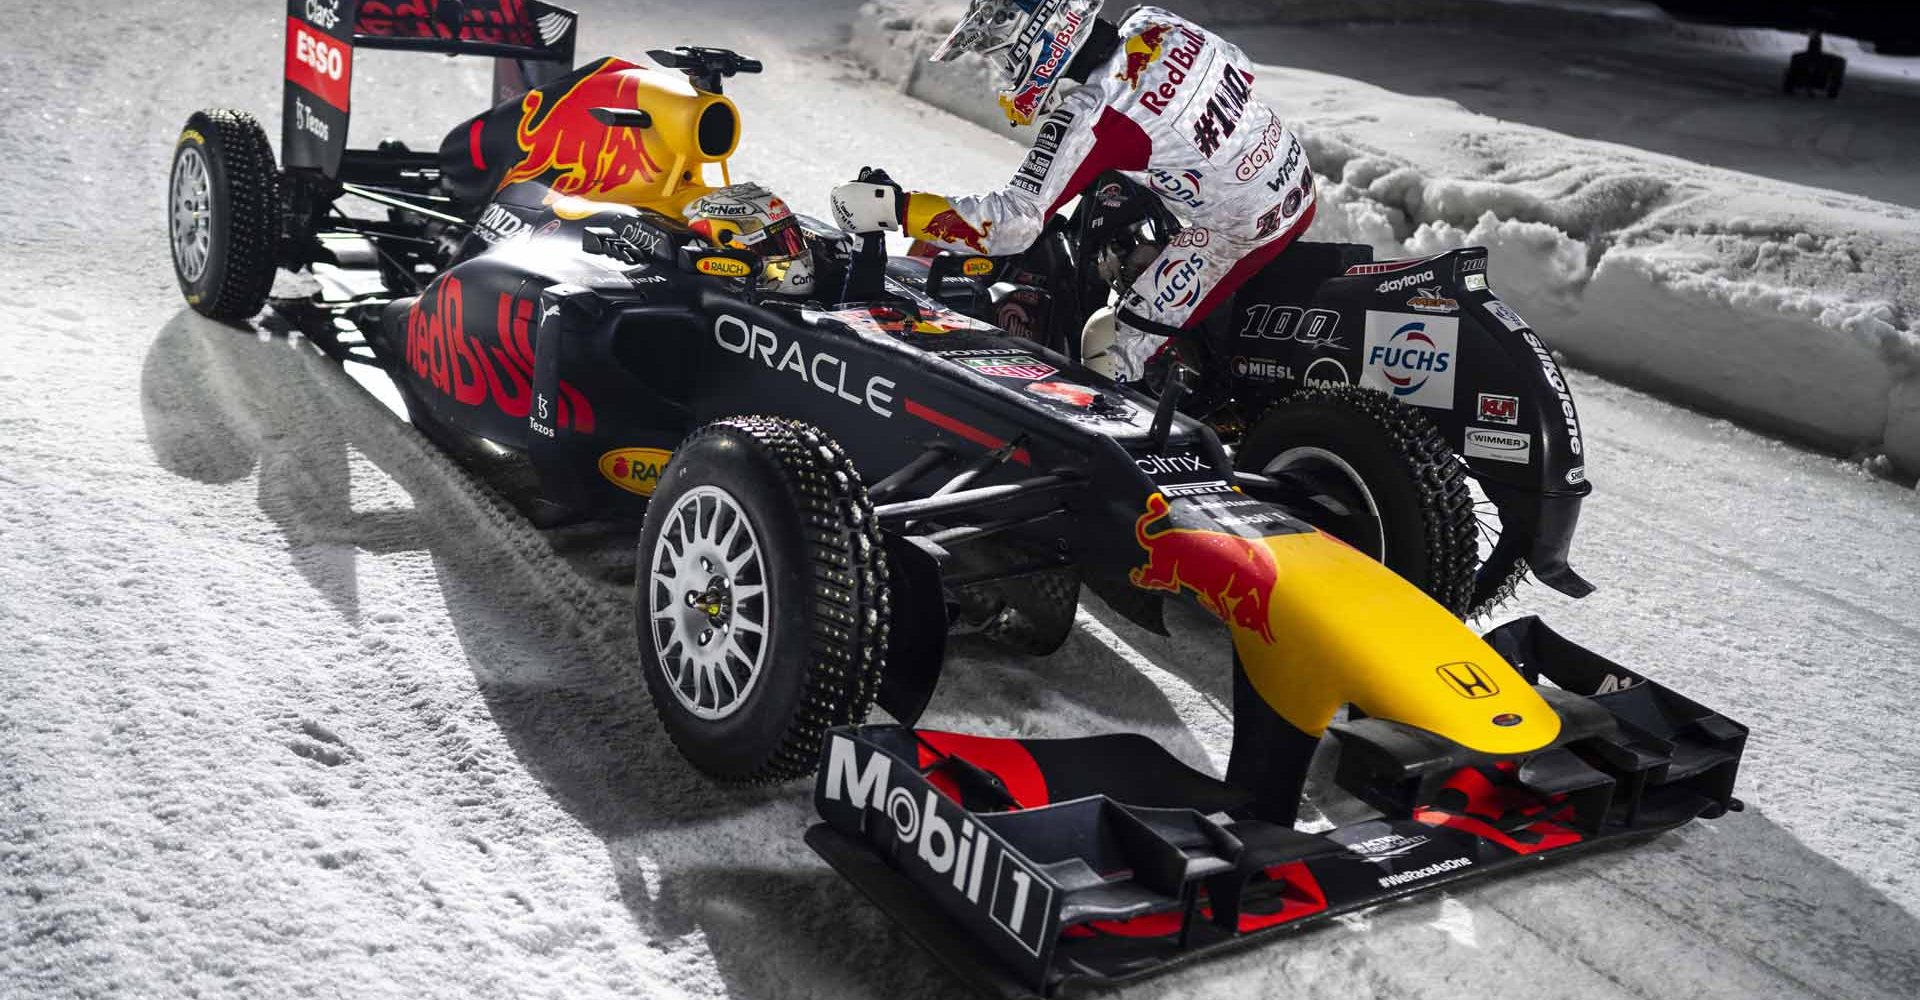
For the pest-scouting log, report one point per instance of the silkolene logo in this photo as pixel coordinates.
(1411, 357)
(946, 842)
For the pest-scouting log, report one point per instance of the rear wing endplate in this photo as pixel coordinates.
(532, 41)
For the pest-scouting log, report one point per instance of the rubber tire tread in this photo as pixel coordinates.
(245, 182)
(849, 610)
(1440, 489)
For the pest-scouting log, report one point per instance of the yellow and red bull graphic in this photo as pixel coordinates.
(930, 217)
(1231, 576)
(560, 134)
(1022, 104)
(1142, 51)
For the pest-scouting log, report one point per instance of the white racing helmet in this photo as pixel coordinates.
(749, 217)
(1030, 44)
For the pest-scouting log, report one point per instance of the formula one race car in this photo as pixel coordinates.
(820, 444)
(1329, 315)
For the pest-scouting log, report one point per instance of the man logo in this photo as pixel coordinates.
(1467, 680)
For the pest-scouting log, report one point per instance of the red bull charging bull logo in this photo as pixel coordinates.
(1142, 51)
(1232, 577)
(593, 159)
(951, 227)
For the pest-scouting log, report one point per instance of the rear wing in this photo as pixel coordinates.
(531, 42)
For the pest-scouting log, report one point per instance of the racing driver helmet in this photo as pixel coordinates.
(749, 217)
(1029, 44)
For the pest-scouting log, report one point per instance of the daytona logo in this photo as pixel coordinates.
(945, 842)
(1403, 283)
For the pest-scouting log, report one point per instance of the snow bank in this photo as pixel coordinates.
(1793, 308)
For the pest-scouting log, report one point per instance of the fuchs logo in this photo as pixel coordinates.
(1178, 282)
(1559, 384)
(1467, 680)
(1182, 187)
(1411, 358)
(1017, 366)
(1499, 409)
(1232, 577)
(946, 841)
(821, 370)
(636, 470)
(1403, 283)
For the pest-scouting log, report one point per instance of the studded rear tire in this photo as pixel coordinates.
(810, 641)
(223, 207)
(1375, 473)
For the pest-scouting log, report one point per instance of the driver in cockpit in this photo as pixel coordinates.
(1157, 97)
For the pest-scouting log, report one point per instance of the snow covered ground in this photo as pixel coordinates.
(290, 705)
(1793, 308)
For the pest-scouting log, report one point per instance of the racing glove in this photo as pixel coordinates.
(872, 204)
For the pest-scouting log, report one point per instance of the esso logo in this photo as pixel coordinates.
(323, 56)
(324, 13)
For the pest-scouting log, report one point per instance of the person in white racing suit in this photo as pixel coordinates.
(1156, 97)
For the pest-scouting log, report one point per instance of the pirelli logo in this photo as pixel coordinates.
(1467, 680)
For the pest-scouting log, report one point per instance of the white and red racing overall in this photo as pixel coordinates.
(1174, 109)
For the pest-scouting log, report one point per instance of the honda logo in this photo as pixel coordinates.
(1468, 680)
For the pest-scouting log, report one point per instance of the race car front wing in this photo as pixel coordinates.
(1028, 864)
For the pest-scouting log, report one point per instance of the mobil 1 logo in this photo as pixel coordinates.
(951, 855)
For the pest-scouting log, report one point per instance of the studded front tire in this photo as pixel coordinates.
(223, 206)
(1376, 474)
(761, 599)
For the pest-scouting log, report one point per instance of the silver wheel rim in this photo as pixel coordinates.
(192, 213)
(707, 603)
(1320, 459)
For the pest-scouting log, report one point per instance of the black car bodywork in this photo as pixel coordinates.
(529, 286)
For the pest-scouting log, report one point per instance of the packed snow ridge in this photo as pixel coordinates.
(1794, 308)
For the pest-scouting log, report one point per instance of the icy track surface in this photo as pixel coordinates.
(291, 707)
